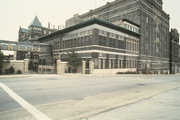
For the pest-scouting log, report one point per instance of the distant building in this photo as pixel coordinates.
(179, 54)
(154, 28)
(109, 46)
(174, 52)
(34, 31)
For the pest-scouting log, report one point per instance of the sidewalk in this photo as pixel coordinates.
(165, 106)
(14, 76)
(112, 75)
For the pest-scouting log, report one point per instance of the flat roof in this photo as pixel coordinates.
(88, 23)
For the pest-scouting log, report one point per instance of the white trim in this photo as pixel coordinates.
(97, 46)
(105, 52)
(153, 56)
(154, 61)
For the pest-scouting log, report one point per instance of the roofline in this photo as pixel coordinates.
(108, 4)
(87, 23)
(42, 27)
(39, 22)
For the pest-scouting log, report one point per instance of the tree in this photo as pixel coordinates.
(1, 61)
(11, 70)
(73, 59)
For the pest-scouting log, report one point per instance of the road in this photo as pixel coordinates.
(75, 97)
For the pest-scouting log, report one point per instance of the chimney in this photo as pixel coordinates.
(53, 26)
(58, 27)
(49, 25)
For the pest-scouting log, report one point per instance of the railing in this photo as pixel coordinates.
(46, 69)
(23, 46)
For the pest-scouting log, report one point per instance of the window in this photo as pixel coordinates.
(147, 20)
(131, 28)
(44, 31)
(112, 35)
(136, 30)
(126, 26)
(102, 33)
(119, 44)
(120, 37)
(89, 32)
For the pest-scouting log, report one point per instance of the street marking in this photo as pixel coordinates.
(32, 110)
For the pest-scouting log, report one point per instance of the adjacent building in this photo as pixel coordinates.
(154, 28)
(174, 52)
(34, 31)
(31, 35)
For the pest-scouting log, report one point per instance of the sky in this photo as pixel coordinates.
(16, 13)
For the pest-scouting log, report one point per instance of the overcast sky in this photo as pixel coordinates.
(16, 13)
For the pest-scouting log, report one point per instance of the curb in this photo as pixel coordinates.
(13, 76)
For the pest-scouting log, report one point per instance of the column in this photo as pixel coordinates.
(91, 67)
(104, 64)
(26, 65)
(109, 63)
(99, 63)
(83, 67)
(58, 67)
(112, 63)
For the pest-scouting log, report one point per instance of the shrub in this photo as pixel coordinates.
(19, 72)
(128, 72)
(7, 71)
(11, 70)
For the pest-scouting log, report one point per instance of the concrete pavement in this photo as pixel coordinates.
(165, 106)
(14, 76)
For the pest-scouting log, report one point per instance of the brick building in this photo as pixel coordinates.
(109, 46)
(154, 28)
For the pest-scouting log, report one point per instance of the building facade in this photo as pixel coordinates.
(31, 35)
(109, 46)
(174, 52)
(154, 28)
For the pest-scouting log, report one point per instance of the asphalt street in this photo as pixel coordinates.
(46, 89)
